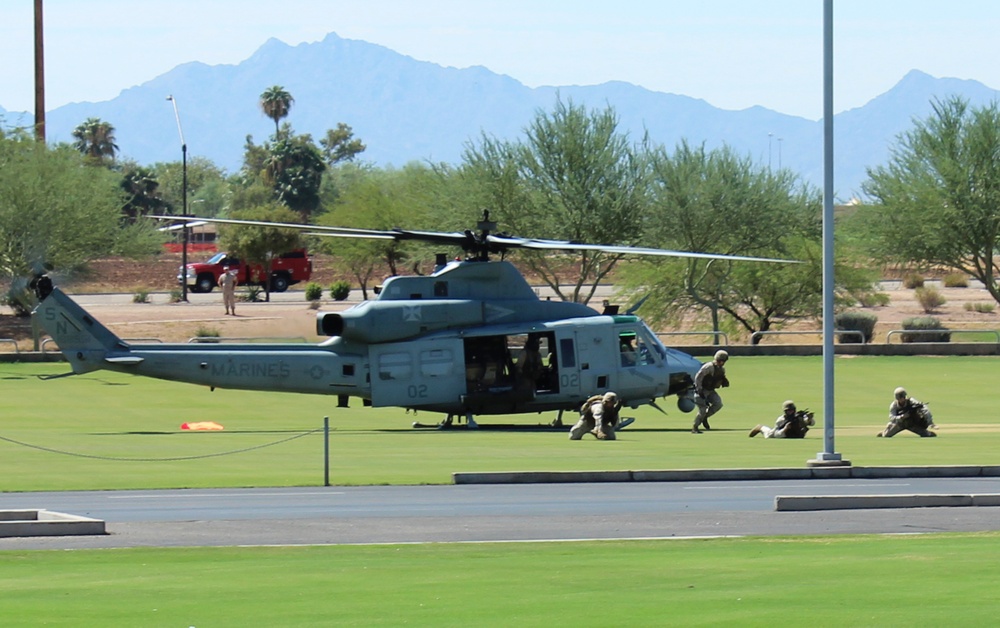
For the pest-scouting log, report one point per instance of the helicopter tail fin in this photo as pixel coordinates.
(85, 342)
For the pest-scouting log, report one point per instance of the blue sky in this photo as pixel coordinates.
(733, 54)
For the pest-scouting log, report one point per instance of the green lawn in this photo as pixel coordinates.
(909, 581)
(113, 431)
(106, 430)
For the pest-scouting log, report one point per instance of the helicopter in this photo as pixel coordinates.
(457, 342)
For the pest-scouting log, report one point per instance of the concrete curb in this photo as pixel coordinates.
(786, 503)
(708, 475)
(15, 523)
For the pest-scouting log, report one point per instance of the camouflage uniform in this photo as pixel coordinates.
(598, 416)
(906, 413)
(791, 424)
(710, 376)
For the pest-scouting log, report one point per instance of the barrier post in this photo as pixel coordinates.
(326, 451)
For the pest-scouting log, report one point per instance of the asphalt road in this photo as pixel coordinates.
(483, 513)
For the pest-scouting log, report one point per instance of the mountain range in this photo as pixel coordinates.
(406, 110)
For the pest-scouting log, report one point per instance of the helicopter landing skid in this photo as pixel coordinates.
(470, 424)
(449, 423)
(555, 426)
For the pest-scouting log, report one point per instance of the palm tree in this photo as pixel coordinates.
(95, 139)
(275, 103)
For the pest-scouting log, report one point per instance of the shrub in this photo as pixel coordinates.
(17, 300)
(929, 298)
(209, 334)
(176, 295)
(314, 291)
(956, 280)
(926, 326)
(855, 321)
(874, 299)
(982, 308)
(252, 294)
(140, 296)
(340, 290)
(913, 280)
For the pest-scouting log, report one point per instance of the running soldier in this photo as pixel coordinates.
(710, 376)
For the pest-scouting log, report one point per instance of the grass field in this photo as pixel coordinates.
(910, 581)
(113, 431)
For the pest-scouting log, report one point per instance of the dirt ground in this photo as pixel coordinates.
(292, 316)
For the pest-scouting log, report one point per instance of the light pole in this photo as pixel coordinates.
(769, 136)
(184, 202)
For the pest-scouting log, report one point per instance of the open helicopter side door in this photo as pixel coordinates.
(417, 373)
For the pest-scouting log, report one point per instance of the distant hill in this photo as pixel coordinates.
(406, 110)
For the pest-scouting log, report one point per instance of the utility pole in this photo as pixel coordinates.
(39, 74)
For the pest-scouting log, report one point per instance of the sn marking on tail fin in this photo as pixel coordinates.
(84, 341)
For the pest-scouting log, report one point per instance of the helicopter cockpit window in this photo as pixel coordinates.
(440, 288)
(650, 344)
(627, 349)
(639, 347)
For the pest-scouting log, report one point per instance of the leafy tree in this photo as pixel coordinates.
(208, 189)
(245, 197)
(291, 166)
(382, 199)
(937, 201)
(717, 202)
(55, 214)
(254, 157)
(294, 169)
(339, 145)
(258, 244)
(95, 138)
(275, 102)
(573, 177)
(140, 187)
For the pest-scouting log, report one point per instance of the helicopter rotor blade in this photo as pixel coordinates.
(481, 244)
(183, 221)
(556, 245)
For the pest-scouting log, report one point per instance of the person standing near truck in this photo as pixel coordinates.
(227, 281)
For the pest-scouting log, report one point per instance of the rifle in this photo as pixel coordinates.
(803, 420)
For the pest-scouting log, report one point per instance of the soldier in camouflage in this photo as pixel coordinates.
(711, 375)
(906, 413)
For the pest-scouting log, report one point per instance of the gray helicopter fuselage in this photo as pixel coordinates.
(453, 342)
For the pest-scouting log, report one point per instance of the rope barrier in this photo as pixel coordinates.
(174, 459)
